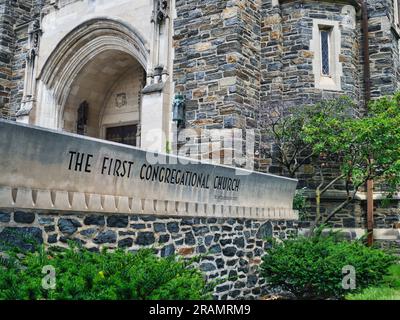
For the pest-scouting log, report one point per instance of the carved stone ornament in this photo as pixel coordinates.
(349, 17)
(35, 33)
(120, 100)
(160, 13)
(25, 109)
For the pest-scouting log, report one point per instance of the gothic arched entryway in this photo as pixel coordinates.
(107, 92)
(92, 82)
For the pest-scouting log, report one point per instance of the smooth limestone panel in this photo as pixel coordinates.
(46, 169)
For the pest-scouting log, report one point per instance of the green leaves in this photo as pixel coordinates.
(300, 203)
(366, 147)
(336, 134)
(84, 275)
(346, 146)
(312, 267)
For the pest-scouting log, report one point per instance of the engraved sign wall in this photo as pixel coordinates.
(61, 171)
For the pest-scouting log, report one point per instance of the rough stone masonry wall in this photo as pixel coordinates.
(287, 62)
(6, 54)
(271, 53)
(288, 80)
(14, 19)
(231, 248)
(237, 59)
(384, 48)
(386, 215)
(217, 62)
(297, 69)
(287, 72)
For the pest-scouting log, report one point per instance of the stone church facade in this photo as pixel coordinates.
(112, 69)
(129, 71)
(230, 60)
(81, 66)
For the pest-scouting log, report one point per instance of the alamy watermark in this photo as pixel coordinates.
(231, 147)
(49, 280)
(349, 279)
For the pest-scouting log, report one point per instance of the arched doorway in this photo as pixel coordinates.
(92, 82)
(105, 98)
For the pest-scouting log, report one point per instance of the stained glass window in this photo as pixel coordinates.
(325, 52)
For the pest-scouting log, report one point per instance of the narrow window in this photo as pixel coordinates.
(325, 52)
(83, 112)
(326, 45)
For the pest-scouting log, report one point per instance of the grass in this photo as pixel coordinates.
(389, 291)
(382, 293)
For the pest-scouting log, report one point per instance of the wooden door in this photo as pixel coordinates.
(122, 134)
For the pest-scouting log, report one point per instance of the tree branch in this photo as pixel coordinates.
(342, 205)
(332, 183)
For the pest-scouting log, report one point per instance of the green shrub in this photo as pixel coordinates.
(312, 267)
(301, 203)
(85, 275)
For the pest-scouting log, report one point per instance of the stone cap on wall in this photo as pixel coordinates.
(50, 170)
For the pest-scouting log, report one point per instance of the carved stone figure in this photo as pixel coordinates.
(34, 32)
(349, 17)
(83, 113)
(120, 100)
(161, 11)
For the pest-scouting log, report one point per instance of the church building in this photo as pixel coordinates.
(112, 69)
(88, 87)
(139, 71)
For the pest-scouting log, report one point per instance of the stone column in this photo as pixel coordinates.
(155, 109)
(29, 93)
(31, 58)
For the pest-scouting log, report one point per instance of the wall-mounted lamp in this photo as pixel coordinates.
(178, 110)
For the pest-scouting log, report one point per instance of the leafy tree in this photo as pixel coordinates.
(364, 147)
(284, 126)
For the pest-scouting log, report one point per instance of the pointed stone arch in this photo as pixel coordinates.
(80, 46)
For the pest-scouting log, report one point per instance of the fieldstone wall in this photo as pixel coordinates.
(230, 248)
(236, 59)
(391, 245)
(216, 65)
(386, 214)
(288, 78)
(14, 20)
(351, 216)
(384, 48)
